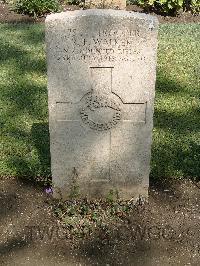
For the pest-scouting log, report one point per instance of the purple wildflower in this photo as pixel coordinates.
(49, 190)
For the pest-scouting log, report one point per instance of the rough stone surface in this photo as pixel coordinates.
(116, 4)
(101, 84)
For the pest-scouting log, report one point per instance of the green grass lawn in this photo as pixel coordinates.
(24, 139)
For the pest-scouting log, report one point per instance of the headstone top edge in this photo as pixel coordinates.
(100, 12)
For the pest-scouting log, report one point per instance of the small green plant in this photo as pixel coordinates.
(145, 3)
(170, 7)
(36, 7)
(83, 217)
(195, 6)
(74, 2)
(112, 196)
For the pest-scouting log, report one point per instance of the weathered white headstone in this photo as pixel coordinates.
(101, 83)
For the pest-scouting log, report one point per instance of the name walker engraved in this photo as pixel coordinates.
(104, 45)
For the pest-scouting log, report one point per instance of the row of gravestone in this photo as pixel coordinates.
(101, 85)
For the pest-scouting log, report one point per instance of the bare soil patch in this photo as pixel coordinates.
(164, 231)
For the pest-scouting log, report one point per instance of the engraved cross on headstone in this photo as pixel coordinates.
(100, 111)
(101, 108)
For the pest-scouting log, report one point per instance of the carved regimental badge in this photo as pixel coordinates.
(101, 112)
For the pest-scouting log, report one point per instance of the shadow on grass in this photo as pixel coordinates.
(24, 89)
(34, 32)
(173, 161)
(23, 93)
(39, 140)
(176, 145)
(30, 37)
(40, 137)
(165, 85)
